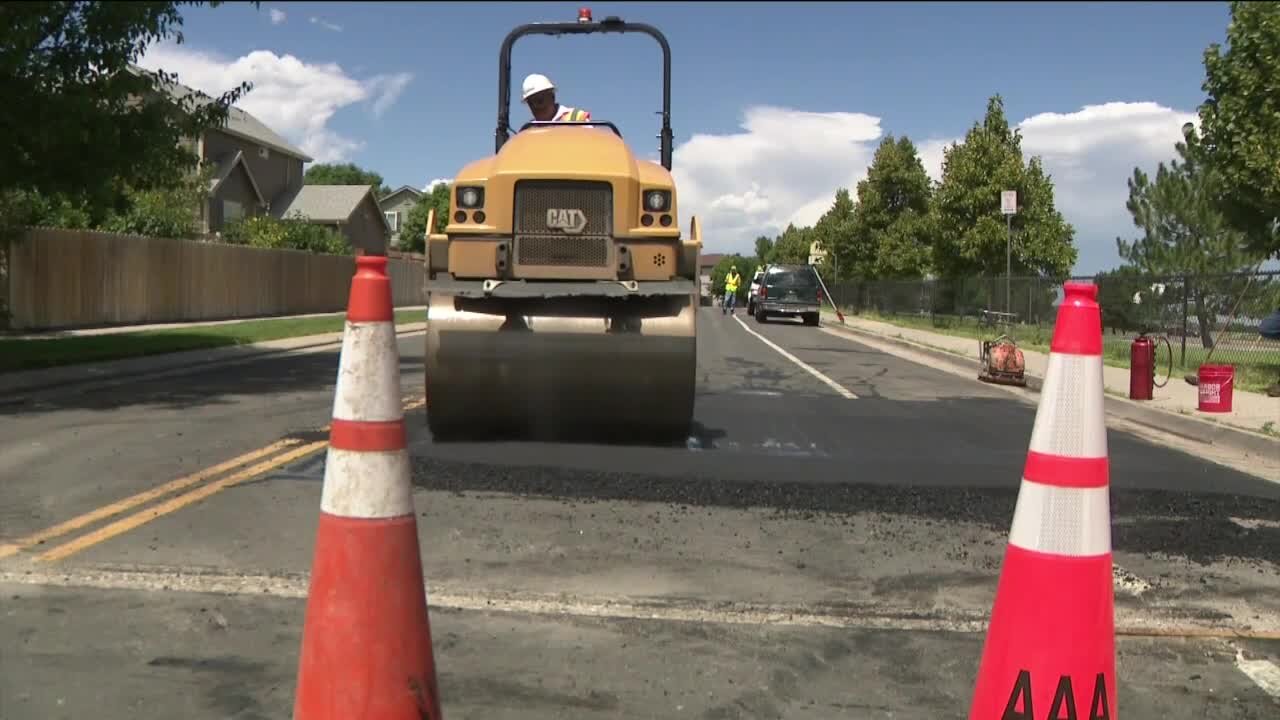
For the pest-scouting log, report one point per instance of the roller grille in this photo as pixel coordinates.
(538, 244)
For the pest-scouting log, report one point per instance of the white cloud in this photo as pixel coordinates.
(786, 164)
(783, 168)
(1091, 154)
(277, 16)
(437, 181)
(326, 24)
(295, 98)
(387, 88)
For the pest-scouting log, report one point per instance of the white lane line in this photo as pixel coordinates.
(1145, 621)
(1254, 524)
(844, 392)
(1263, 673)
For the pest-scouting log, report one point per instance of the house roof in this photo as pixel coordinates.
(227, 165)
(239, 122)
(328, 203)
(403, 188)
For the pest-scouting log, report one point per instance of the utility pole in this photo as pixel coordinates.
(1008, 206)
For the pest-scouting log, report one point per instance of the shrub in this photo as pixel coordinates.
(293, 233)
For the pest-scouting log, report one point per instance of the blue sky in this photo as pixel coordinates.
(774, 104)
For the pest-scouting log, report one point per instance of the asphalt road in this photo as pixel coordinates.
(811, 552)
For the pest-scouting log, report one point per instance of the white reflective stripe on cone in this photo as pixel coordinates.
(367, 484)
(1062, 521)
(369, 374)
(1071, 395)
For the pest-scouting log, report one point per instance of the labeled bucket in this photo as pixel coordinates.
(1216, 383)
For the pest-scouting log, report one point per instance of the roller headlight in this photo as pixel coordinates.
(470, 197)
(657, 201)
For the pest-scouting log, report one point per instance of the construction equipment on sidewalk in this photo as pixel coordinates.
(562, 296)
(366, 640)
(827, 293)
(1050, 645)
(1142, 365)
(1002, 362)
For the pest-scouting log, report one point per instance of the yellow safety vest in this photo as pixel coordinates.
(731, 282)
(572, 115)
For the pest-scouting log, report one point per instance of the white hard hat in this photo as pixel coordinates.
(536, 83)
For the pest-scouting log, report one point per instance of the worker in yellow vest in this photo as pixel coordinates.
(731, 283)
(540, 95)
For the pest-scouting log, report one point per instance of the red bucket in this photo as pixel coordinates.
(1216, 383)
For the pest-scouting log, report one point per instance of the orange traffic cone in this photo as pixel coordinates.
(366, 643)
(1050, 646)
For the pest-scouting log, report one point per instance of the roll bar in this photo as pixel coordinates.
(612, 24)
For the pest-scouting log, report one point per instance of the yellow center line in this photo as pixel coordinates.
(172, 486)
(145, 516)
(120, 506)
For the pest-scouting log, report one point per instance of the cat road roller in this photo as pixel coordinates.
(562, 297)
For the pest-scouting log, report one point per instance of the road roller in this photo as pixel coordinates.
(562, 296)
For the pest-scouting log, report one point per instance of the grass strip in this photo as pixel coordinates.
(37, 353)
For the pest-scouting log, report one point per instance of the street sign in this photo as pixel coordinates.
(1009, 208)
(1009, 202)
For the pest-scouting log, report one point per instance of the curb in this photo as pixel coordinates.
(163, 364)
(1198, 430)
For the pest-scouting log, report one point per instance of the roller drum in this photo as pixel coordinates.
(569, 374)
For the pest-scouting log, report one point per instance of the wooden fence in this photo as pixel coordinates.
(72, 279)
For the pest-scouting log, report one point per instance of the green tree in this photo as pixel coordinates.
(1240, 122)
(83, 121)
(891, 230)
(764, 249)
(1184, 233)
(970, 232)
(904, 248)
(834, 233)
(413, 234)
(792, 246)
(20, 208)
(1116, 289)
(344, 174)
(164, 212)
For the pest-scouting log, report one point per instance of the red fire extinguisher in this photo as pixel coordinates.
(1142, 366)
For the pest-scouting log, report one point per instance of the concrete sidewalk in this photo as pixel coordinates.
(1249, 410)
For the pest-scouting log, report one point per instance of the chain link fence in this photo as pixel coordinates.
(1206, 318)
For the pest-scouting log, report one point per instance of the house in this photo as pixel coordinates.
(396, 206)
(352, 210)
(706, 264)
(256, 171)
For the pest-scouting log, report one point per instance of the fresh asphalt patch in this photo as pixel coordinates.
(1201, 527)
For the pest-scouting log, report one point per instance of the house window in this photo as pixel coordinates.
(393, 219)
(231, 210)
